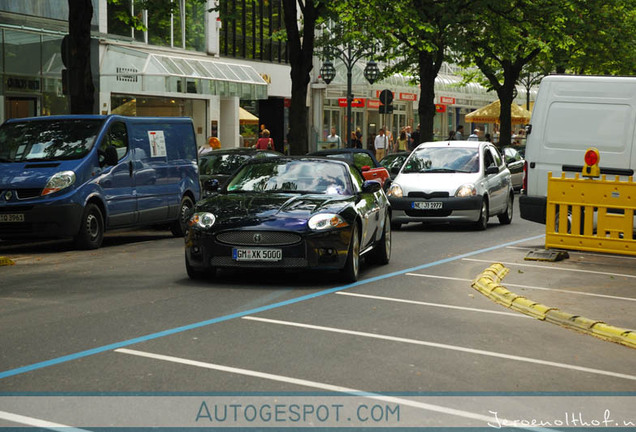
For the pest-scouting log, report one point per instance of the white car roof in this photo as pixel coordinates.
(463, 144)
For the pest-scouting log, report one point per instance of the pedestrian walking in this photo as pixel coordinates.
(265, 142)
(381, 143)
(334, 138)
(459, 135)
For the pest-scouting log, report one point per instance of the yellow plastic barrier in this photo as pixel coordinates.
(591, 215)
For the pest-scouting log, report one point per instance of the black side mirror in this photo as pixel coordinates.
(371, 186)
(492, 170)
(211, 185)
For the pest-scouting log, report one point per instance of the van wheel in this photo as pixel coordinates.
(91, 232)
(482, 223)
(506, 217)
(180, 226)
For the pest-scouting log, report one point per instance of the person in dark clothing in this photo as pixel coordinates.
(415, 138)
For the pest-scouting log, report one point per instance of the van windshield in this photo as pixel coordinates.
(47, 140)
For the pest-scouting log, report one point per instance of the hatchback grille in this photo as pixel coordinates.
(428, 195)
(258, 238)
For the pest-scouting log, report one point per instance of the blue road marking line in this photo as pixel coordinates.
(169, 332)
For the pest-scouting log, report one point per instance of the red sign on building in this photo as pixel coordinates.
(355, 102)
(408, 96)
(372, 103)
(447, 100)
(440, 108)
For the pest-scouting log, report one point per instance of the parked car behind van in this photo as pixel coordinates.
(570, 115)
(78, 176)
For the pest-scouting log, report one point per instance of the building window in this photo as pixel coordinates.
(185, 28)
(250, 30)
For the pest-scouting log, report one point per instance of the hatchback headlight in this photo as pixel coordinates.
(395, 191)
(202, 220)
(325, 221)
(466, 190)
(59, 181)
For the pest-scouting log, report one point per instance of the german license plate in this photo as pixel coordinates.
(12, 217)
(427, 205)
(252, 254)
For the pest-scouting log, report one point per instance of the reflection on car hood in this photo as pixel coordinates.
(245, 207)
(434, 182)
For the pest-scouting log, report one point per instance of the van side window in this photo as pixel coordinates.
(117, 137)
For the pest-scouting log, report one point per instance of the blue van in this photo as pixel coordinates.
(79, 175)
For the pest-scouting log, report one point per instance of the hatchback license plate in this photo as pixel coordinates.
(427, 205)
(250, 254)
(12, 217)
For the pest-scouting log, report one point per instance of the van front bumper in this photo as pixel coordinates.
(533, 208)
(45, 221)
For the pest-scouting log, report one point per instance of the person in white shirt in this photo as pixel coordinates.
(333, 138)
(381, 143)
(474, 136)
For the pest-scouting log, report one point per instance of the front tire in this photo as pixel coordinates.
(506, 217)
(482, 223)
(351, 269)
(382, 251)
(179, 227)
(91, 232)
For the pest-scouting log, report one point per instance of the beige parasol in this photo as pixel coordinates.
(490, 114)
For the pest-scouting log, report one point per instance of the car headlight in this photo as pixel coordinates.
(326, 221)
(59, 181)
(395, 191)
(202, 220)
(466, 190)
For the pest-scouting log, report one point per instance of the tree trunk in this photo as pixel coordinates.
(429, 65)
(301, 50)
(77, 54)
(506, 96)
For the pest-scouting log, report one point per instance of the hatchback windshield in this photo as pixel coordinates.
(291, 177)
(443, 160)
(47, 140)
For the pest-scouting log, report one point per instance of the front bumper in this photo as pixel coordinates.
(533, 208)
(44, 221)
(315, 250)
(453, 209)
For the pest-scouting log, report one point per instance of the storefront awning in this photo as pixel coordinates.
(135, 69)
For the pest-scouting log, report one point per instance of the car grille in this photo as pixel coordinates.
(258, 238)
(23, 194)
(428, 195)
(428, 213)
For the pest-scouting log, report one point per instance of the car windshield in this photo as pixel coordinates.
(224, 164)
(292, 176)
(393, 161)
(47, 140)
(443, 160)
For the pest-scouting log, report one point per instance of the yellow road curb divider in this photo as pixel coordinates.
(488, 283)
(4, 261)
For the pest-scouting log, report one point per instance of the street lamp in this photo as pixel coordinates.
(349, 57)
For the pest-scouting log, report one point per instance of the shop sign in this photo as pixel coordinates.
(408, 96)
(23, 84)
(440, 108)
(447, 100)
(373, 104)
(355, 102)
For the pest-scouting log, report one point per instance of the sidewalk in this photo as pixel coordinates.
(587, 292)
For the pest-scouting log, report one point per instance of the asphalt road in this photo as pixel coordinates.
(126, 319)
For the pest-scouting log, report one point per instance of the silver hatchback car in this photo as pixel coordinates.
(452, 181)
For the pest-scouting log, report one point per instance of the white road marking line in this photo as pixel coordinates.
(551, 268)
(446, 346)
(30, 421)
(578, 253)
(516, 315)
(529, 287)
(314, 384)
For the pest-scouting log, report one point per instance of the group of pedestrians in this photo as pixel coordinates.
(384, 143)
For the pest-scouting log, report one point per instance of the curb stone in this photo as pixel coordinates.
(487, 283)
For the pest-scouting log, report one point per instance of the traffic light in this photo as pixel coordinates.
(591, 168)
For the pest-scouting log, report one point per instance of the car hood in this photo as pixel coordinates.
(27, 175)
(258, 208)
(435, 182)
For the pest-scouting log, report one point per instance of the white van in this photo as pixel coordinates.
(570, 115)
